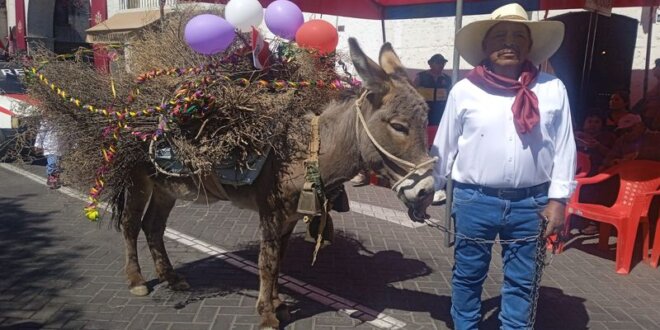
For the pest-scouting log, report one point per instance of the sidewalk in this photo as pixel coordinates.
(60, 271)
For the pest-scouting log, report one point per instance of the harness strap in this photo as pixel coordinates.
(315, 143)
(401, 162)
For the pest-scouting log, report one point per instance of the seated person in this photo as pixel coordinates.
(594, 140)
(651, 113)
(619, 107)
(635, 142)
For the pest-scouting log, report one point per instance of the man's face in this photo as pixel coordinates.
(507, 44)
(437, 66)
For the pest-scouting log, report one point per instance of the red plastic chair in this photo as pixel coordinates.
(638, 183)
(655, 252)
(583, 165)
(582, 170)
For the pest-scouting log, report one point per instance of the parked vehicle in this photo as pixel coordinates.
(14, 104)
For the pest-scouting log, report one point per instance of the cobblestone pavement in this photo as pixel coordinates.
(60, 271)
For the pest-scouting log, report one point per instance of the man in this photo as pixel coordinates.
(506, 136)
(635, 142)
(434, 85)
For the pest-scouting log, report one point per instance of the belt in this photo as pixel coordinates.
(513, 194)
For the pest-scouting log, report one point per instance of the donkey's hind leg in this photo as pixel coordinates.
(281, 309)
(269, 265)
(135, 200)
(153, 225)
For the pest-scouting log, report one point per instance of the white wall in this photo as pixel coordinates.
(415, 40)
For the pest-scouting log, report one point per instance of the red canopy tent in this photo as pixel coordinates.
(404, 9)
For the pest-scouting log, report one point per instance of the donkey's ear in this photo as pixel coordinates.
(390, 62)
(375, 78)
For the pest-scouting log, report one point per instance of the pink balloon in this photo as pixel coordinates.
(209, 34)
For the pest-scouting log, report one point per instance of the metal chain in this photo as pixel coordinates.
(538, 273)
(540, 257)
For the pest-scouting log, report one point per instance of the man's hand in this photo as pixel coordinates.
(554, 212)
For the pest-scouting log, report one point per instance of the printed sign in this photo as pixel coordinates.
(602, 7)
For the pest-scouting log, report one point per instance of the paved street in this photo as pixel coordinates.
(58, 270)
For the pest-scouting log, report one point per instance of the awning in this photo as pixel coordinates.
(121, 26)
(405, 9)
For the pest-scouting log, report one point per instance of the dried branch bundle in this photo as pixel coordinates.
(209, 110)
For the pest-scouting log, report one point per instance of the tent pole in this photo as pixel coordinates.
(648, 54)
(382, 29)
(458, 23)
(449, 189)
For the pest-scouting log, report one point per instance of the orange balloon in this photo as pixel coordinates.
(317, 34)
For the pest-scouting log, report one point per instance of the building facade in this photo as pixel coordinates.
(61, 25)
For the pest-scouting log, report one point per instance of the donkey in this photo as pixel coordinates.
(383, 130)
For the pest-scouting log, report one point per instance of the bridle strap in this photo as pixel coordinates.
(406, 165)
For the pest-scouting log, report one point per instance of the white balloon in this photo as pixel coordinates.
(243, 14)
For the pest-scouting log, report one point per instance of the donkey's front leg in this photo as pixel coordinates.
(153, 225)
(269, 265)
(134, 201)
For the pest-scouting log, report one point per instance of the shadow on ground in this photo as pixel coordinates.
(34, 267)
(374, 279)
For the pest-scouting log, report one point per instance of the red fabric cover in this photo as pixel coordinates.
(525, 106)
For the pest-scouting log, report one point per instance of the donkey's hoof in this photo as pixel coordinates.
(139, 290)
(282, 313)
(179, 285)
(269, 322)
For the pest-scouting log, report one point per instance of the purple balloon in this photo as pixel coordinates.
(209, 34)
(283, 18)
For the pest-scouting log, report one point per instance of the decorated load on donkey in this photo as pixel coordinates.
(147, 139)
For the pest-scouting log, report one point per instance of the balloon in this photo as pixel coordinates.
(318, 34)
(283, 18)
(209, 34)
(244, 14)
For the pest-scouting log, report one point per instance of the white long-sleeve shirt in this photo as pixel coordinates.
(47, 139)
(478, 142)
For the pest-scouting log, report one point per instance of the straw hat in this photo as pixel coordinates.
(546, 35)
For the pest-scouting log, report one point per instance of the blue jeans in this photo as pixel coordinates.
(52, 164)
(482, 216)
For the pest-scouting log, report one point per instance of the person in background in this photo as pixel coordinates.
(507, 139)
(650, 106)
(434, 85)
(635, 141)
(594, 140)
(619, 106)
(46, 142)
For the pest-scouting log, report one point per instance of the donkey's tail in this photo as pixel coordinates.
(117, 202)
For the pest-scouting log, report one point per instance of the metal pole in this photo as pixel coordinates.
(458, 23)
(586, 58)
(382, 28)
(161, 6)
(449, 188)
(648, 54)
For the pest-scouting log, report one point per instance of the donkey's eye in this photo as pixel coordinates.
(399, 128)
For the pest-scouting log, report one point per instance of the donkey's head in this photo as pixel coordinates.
(395, 117)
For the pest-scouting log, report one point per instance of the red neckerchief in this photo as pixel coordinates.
(525, 106)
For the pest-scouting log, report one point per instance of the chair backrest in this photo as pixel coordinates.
(636, 178)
